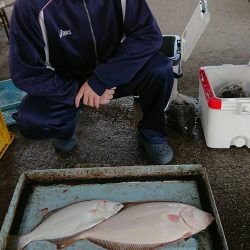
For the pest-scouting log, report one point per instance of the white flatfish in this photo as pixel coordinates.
(147, 226)
(69, 221)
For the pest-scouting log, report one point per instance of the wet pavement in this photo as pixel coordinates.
(108, 136)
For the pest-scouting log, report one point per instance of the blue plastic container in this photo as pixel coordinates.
(10, 98)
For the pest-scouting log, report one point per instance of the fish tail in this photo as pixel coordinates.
(16, 242)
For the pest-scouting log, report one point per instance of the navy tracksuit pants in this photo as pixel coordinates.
(42, 118)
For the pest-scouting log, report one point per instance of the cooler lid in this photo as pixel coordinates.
(194, 29)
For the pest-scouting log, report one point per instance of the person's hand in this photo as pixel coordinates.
(90, 98)
(107, 96)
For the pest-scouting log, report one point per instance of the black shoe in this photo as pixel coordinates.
(160, 154)
(65, 145)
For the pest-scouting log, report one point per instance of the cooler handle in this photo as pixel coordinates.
(246, 108)
(212, 101)
(243, 108)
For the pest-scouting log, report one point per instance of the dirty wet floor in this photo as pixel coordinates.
(108, 136)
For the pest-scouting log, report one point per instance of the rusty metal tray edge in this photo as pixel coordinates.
(102, 173)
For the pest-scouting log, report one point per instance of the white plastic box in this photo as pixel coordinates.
(225, 121)
(180, 48)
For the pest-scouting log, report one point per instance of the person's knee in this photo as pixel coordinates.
(38, 128)
(28, 126)
(161, 67)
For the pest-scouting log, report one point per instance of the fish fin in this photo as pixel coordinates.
(65, 243)
(121, 246)
(16, 242)
(47, 214)
(134, 203)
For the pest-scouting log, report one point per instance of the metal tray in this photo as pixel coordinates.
(52, 189)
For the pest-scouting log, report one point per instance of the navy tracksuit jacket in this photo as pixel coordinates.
(56, 45)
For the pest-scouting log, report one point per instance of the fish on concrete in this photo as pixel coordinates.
(146, 226)
(68, 222)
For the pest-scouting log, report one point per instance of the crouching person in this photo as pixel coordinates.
(66, 54)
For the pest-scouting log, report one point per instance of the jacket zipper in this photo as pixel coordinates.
(92, 31)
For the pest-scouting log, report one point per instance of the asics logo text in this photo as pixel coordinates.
(64, 33)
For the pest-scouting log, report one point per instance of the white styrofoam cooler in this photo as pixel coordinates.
(225, 121)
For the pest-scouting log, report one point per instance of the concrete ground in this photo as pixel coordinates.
(108, 136)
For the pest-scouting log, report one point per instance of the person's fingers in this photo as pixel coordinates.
(91, 101)
(104, 101)
(101, 100)
(111, 91)
(107, 96)
(97, 102)
(110, 97)
(78, 99)
(85, 98)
